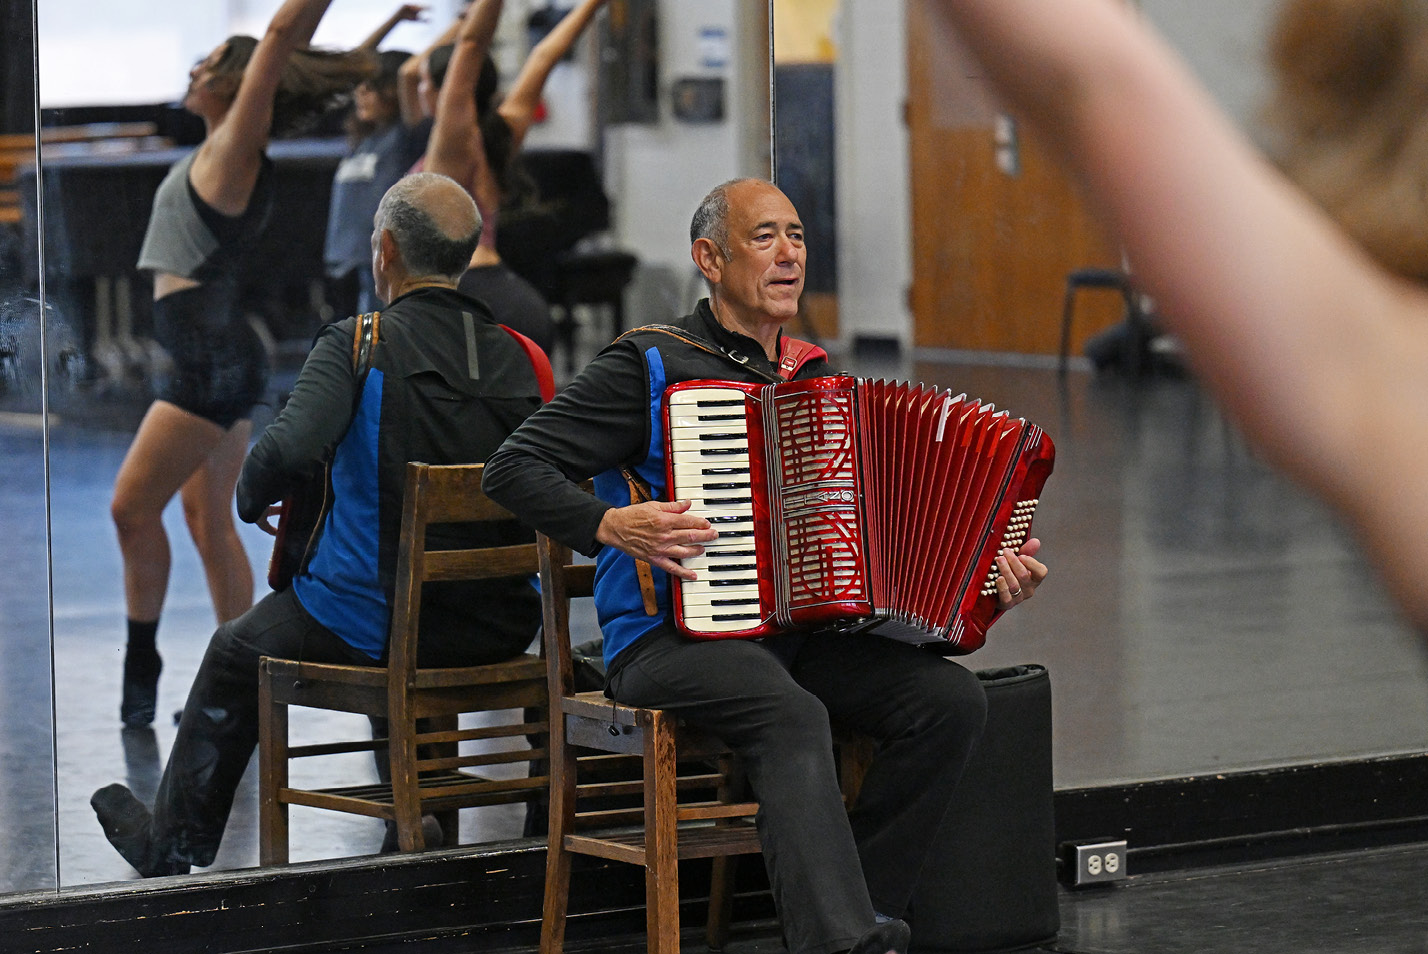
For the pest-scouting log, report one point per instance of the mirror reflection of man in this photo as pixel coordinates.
(841, 881)
(446, 385)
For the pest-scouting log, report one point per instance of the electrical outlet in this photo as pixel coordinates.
(1095, 862)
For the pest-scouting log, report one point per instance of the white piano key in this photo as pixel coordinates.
(711, 625)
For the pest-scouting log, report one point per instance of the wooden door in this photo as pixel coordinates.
(995, 225)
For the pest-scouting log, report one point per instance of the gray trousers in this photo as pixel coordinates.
(771, 702)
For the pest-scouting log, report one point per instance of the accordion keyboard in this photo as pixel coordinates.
(710, 456)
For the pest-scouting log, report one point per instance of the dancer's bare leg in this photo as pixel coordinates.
(208, 508)
(170, 445)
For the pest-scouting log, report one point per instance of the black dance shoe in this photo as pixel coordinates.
(141, 688)
(127, 825)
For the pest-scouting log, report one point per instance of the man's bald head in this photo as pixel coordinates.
(434, 223)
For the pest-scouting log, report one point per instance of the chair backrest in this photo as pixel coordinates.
(560, 582)
(439, 494)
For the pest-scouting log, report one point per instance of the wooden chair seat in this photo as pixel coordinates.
(429, 775)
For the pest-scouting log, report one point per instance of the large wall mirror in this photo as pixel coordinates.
(688, 107)
(684, 112)
(954, 237)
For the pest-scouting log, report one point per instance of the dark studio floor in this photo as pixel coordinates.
(1202, 617)
(1341, 903)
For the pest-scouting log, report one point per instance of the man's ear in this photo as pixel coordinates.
(708, 259)
(387, 252)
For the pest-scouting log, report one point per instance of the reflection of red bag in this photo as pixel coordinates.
(304, 507)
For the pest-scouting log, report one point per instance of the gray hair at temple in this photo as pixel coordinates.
(434, 222)
(711, 219)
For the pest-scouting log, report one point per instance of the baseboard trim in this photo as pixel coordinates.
(489, 897)
(1245, 816)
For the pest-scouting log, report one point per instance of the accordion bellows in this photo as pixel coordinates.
(844, 501)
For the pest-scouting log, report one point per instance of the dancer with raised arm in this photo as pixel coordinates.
(211, 206)
(474, 140)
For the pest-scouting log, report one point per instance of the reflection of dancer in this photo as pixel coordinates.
(1317, 352)
(474, 140)
(386, 139)
(210, 206)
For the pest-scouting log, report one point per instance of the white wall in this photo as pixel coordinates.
(1224, 43)
(874, 221)
(661, 171)
(101, 52)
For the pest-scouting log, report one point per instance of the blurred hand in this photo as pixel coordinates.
(267, 522)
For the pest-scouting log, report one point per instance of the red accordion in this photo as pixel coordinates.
(877, 505)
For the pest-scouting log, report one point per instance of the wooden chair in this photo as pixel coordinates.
(687, 780)
(428, 774)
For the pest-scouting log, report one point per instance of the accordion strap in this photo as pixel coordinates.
(364, 341)
(640, 493)
(795, 351)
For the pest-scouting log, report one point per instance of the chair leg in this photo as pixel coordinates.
(619, 316)
(721, 900)
(406, 795)
(733, 787)
(272, 774)
(1136, 355)
(1067, 308)
(450, 820)
(557, 858)
(661, 838)
(565, 333)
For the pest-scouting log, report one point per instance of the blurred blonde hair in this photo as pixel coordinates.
(1349, 117)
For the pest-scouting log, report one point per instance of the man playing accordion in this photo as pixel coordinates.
(841, 880)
